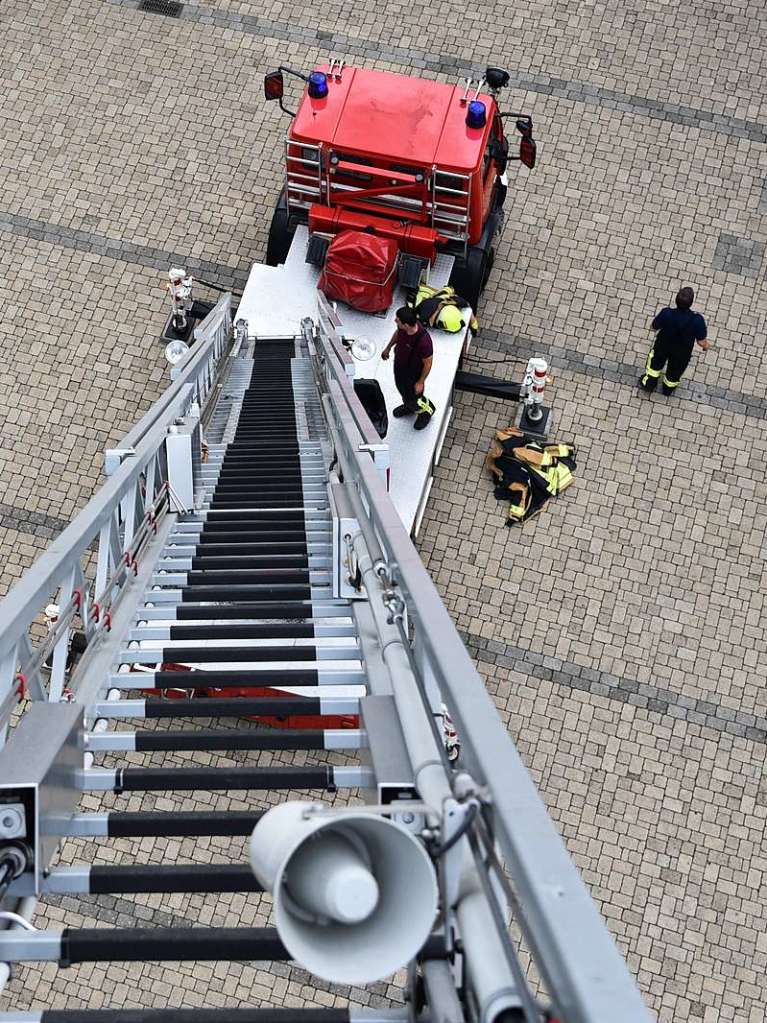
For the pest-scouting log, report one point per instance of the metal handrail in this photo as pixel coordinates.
(210, 342)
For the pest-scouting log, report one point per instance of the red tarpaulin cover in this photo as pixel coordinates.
(360, 270)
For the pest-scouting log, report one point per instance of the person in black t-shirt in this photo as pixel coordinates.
(679, 330)
(413, 356)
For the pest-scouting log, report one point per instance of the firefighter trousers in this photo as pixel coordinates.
(415, 404)
(666, 362)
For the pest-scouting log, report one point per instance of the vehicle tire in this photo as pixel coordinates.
(281, 233)
(469, 275)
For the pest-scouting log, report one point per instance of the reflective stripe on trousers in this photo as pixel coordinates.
(649, 372)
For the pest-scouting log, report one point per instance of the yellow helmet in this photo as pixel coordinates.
(450, 319)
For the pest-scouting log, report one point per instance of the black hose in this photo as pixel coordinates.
(217, 287)
(467, 823)
(6, 876)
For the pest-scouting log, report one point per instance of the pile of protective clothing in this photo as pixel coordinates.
(527, 473)
(442, 308)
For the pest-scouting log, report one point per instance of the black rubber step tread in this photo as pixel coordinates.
(285, 427)
(254, 492)
(276, 435)
(291, 518)
(218, 548)
(243, 446)
(290, 484)
(254, 463)
(258, 453)
(267, 470)
(222, 779)
(265, 474)
(230, 739)
(275, 630)
(268, 1015)
(253, 481)
(269, 503)
(267, 520)
(264, 521)
(235, 594)
(226, 707)
(254, 654)
(255, 488)
(182, 824)
(261, 454)
(241, 576)
(293, 611)
(290, 539)
(258, 498)
(232, 546)
(133, 878)
(171, 944)
(245, 457)
(208, 563)
(246, 467)
(268, 549)
(227, 679)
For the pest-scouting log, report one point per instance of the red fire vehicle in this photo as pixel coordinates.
(417, 161)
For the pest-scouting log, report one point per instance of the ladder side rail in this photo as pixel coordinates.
(61, 564)
(582, 968)
(212, 339)
(340, 365)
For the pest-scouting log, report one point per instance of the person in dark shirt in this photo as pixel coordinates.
(413, 354)
(679, 330)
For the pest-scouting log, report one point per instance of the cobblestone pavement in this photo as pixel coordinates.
(620, 631)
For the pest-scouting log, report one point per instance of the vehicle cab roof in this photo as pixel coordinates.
(395, 117)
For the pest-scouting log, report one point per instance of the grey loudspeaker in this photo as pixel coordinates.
(355, 894)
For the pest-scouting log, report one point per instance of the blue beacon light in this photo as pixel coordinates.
(318, 85)
(476, 116)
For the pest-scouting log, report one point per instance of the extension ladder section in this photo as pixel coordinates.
(239, 622)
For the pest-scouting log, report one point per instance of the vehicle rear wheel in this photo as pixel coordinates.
(280, 234)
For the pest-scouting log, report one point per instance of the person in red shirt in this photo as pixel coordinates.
(413, 356)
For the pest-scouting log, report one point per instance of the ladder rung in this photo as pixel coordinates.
(181, 824)
(222, 779)
(132, 878)
(232, 1015)
(159, 945)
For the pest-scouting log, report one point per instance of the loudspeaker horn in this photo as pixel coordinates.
(355, 894)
